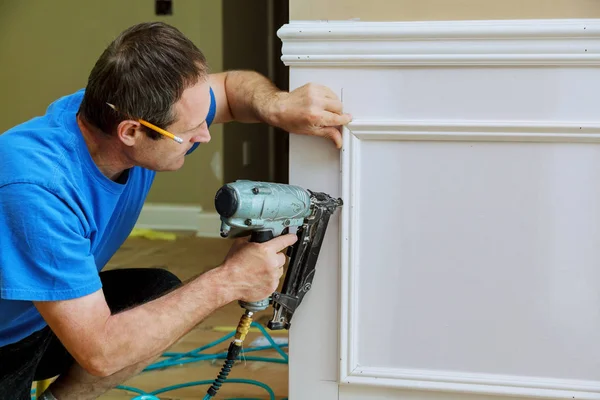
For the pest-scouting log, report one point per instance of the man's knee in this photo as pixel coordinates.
(167, 280)
(126, 288)
(160, 282)
(169, 277)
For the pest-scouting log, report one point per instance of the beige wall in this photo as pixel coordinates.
(47, 49)
(415, 10)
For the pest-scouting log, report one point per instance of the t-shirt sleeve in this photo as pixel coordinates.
(44, 252)
(212, 112)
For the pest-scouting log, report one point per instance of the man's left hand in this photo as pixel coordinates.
(311, 110)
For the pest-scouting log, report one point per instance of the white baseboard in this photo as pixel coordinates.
(209, 225)
(161, 216)
(172, 217)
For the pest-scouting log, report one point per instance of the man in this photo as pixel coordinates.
(72, 184)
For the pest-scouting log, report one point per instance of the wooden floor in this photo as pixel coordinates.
(186, 257)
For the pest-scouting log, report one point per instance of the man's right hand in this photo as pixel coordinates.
(253, 270)
(96, 337)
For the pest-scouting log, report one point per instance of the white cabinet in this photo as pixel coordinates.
(465, 262)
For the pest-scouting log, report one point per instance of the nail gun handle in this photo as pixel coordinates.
(256, 306)
(261, 236)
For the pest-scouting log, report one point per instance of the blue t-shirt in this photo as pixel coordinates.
(61, 219)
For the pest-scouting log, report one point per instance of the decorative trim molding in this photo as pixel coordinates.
(172, 217)
(504, 131)
(351, 372)
(547, 388)
(350, 171)
(563, 42)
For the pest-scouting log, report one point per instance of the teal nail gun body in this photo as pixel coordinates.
(265, 210)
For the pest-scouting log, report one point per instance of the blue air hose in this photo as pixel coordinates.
(196, 355)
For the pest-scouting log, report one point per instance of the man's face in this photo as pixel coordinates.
(190, 125)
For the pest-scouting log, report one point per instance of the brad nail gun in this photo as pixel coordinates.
(265, 210)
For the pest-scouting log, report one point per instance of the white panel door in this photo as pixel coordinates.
(465, 262)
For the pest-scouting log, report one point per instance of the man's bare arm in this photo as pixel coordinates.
(247, 96)
(244, 96)
(104, 344)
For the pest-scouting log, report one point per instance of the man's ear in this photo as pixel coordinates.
(128, 131)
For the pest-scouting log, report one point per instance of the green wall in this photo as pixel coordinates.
(428, 10)
(47, 49)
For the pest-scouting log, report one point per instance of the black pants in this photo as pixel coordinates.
(42, 356)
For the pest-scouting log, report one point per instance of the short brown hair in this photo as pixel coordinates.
(143, 72)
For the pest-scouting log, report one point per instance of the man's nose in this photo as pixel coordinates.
(202, 136)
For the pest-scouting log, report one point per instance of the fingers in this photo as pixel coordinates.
(330, 102)
(329, 93)
(281, 260)
(331, 119)
(281, 242)
(331, 124)
(334, 106)
(333, 134)
(317, 91)
(240, 240)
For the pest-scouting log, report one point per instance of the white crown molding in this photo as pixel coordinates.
(351, 372)
(498, 43)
